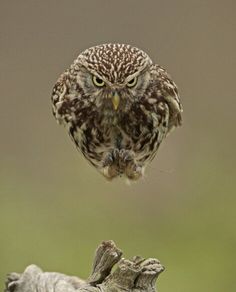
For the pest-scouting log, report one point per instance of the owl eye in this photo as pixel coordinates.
(98, 81)
(132, 82)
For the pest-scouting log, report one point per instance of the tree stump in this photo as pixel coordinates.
(135, 275)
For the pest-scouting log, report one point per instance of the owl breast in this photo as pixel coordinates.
(139, 130)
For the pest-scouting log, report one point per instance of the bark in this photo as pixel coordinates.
(135, 275)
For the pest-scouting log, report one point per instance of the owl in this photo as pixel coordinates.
(117, 106)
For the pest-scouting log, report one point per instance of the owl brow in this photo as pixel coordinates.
(138, 73)
(94, 73)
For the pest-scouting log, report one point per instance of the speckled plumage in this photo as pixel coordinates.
(118, 107)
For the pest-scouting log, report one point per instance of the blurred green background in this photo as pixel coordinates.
(55, 209)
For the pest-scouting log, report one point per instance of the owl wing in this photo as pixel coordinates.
(63, 99)
(169, 92)
(67, 106)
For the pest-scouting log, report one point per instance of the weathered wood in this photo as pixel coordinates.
(136, 275)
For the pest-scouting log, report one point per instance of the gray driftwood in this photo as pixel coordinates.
(135, 275)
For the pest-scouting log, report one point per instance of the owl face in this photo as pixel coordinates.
(114, 76)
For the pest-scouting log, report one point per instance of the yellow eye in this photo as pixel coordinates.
(98, 81)
(132, 82)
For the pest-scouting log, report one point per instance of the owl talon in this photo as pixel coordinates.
(108, 160)
(111, 158)
(126, 155)
(116, 155)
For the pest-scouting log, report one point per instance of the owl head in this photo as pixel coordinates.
(113, 76)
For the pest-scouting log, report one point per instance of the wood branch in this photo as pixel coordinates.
(135, 275)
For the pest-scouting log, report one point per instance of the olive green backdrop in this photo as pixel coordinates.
(55, 209)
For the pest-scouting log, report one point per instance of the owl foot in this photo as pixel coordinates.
(133, 171)
(110, 165)
(127, 163)
(119, 162)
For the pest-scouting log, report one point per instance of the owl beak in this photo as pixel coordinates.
(115, 100)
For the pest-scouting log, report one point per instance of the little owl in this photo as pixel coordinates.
(118, 106)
